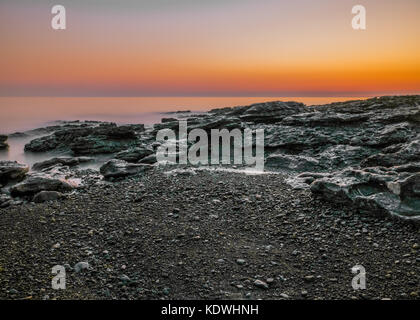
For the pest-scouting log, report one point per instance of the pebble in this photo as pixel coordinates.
(81, 266)
(260, 284)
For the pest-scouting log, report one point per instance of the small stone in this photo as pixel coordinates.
(240, 261)
(260, 284)
(309, 278)
(284, 295)
(80, 266)
(304, 293)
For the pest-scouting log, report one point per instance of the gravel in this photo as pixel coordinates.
(128, 247)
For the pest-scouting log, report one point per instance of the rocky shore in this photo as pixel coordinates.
(341, 187)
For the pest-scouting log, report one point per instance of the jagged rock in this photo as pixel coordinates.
(12, 170)
(62, 161)
(375, 191)
(409, 152)
(38, 182)
(45, 196)
(3, 144)
(134, 155)
(116, 168)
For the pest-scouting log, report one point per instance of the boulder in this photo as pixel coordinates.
(12, 170)
(38, 182)
(116, 168)
(45, 196)
(3, 143)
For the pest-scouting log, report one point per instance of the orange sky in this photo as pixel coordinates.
(231, 47)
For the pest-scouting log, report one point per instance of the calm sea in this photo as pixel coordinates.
(19, 114)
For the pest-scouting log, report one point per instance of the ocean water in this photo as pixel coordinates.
(18, 114)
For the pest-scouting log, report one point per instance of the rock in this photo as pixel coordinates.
(149, 159)
(12, 170)
(260, 284)
(5, 201)
(374, 191)
(292, 163)
(45, 196)
(3, 144)
(134, 154)
(81, 266)
(94, 139)
(119, 168)
(38, 182)
(62, 161)
(240, 261)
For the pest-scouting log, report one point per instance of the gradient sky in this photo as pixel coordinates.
(209, 48)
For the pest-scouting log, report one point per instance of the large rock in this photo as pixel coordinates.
(116, 168)
(374, 191)
(38, 182)
(3, 144)
(45, 196)
(62, 161)
(12, 170)
(135, 154)
(103, 138)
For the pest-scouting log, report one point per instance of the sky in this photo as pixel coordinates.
(209, 48)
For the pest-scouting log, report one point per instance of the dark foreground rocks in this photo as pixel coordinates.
(207, 235)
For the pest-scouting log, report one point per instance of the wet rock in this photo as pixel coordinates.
(38, 182)
(62, 161)
(12, 170)
(135, 154)
(116, 168)
(45, 196)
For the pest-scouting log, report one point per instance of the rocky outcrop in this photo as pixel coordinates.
(355, 152)
(37, 182)
(60, 161)
(101, 139)
(373, 191)
(116, 168)
(3, 143)
(12, 171)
